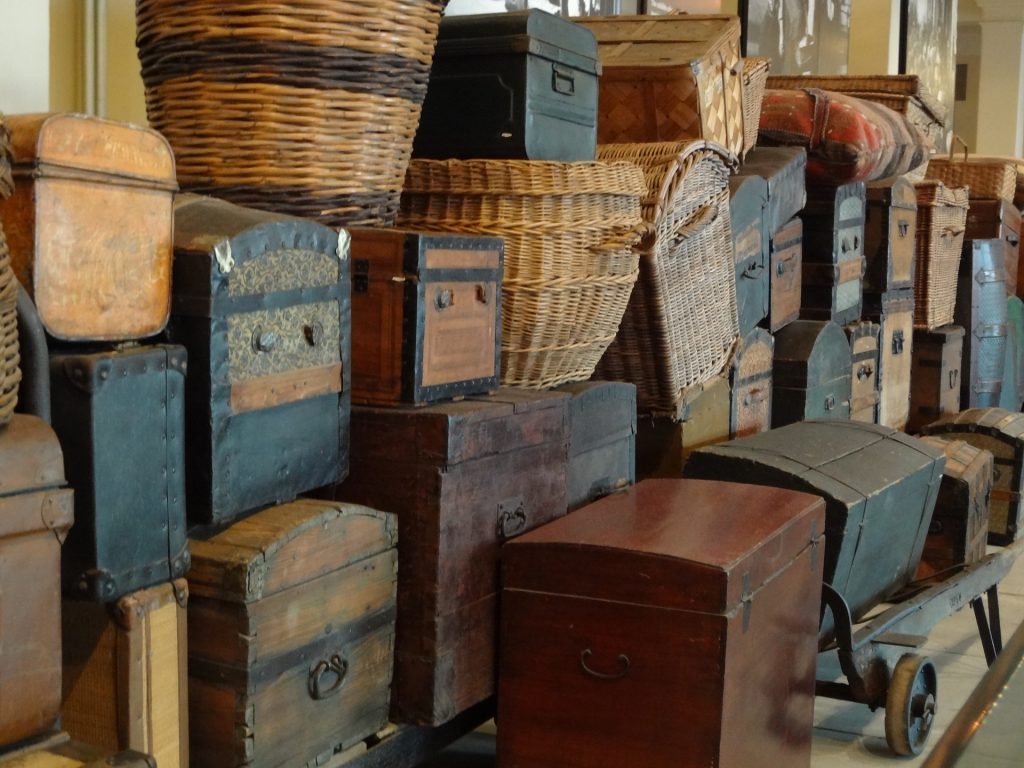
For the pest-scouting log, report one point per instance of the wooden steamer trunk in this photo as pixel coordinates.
(876, 522)
(262, 304)
(89, 224)
(125, 673)
(59, 751)
(998, 220)
(426, 316)
(669, 78)
(890, 229)
(833, 254)
(981, 310)
(864, 380)
(291, 632)
(751, 385)
(462, 478)
(811, 373)
(959, 529)
(935, 375)
(35, 514)
(733, 580)
(511, 85)
(748, 196)
(663, 443)
(894, 313)
(1002, 434)
(785, 264)
(602, 439)
(120, 417)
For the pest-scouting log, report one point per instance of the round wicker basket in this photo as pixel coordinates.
(307, 107)
(569, 231)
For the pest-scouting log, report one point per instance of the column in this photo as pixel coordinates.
(1001, 89)
(24, 56)
(874, 37)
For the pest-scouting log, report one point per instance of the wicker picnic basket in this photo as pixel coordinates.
(755, 75)
(570, 266)
(10, 373)
(680, 327)
(987, 178)
(941, 221)
(307, 107)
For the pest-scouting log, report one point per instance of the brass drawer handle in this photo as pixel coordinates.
(332, 670)
(623, 660)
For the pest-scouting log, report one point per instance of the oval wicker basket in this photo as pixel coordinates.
(941, 222)
(680, 328)
(307, 107)
(10, 372)
(987, 178)
(569, 231)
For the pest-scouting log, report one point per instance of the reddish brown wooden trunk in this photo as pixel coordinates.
(35, 515)
(462, 477)
(935, 375)
(732, 577)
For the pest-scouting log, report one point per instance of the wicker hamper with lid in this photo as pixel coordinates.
(570, 266)
(10, 373)
(941, 222)
(986, 178)
(680, 328)
(307, 107)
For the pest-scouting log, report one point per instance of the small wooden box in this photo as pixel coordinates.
(810, 373)
(752, 385)
(125, 673)
(833, 254)
(426, 316)
(894, 313)
(291, 629)
(959, 529)
(89, 224)
(890, 230)
(786, 267)
(864, 398)
(601, 668)
(935, 375)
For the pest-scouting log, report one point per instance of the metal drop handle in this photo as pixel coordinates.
(623, 660)
(332, 670)
(903, 226)
(954, 375)
(864, 371)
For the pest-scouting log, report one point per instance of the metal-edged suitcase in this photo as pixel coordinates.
(890, 228)
(894, 313)
(981, 310)
(864, 381)
(811, 373)
(935, 375)
(833, 254)
(785, 264)
(748, 197)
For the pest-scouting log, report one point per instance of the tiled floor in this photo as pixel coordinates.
(847, 734)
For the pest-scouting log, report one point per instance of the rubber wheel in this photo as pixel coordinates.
(910, 704)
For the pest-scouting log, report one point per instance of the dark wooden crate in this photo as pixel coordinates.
(426, 316)
(725, 567)
(291, 625)
(890, 228)
(35, 515)
(935, 375)
(748, 198)
(811, 373)
(462, 478)
(262, 303)
(120, 417)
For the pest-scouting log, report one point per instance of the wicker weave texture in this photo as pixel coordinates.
(6, 180)
(987, 179)
(570, 264)
(755, 75)
(941, 221)
(307, 107)
(681, 324)
(10, 372)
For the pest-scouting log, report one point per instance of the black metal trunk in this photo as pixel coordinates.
(262, 303)
(121, 421)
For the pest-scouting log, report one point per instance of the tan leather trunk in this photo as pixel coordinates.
(89, 225)
(291, 623)
(35, 514)
(125, 675)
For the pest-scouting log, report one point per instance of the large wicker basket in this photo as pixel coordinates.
(941, 221)
(987, 178)
(755, 75)
(10, 373)
(680, 328)
(569, 231)
(307, 107)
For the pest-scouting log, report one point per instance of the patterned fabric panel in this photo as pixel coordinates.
(284, 270)
(273, 341)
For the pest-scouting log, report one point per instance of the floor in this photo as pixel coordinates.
(847, 734)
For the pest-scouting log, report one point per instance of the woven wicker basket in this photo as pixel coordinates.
(986, 178)
(755, 75)
(680, 328)
(307, 107)
(6, 179)
(10, 373)
(941, 221)
(569, 231)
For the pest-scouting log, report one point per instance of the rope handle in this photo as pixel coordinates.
(621, 242)
(952, 231)
(706, 215)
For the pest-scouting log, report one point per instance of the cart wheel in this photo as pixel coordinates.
(910, 704)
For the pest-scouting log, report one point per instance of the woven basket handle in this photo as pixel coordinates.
(704, 218)
(952, 231)
(622, 242)
(952, 146)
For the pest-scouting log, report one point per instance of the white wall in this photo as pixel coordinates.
(24, 56)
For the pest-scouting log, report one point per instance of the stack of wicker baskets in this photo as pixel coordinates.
(10, 373)
(306, 107)
(680, 328)
(569, 231)
(941, 222)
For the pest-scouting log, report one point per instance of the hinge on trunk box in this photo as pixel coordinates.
(361, 275)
